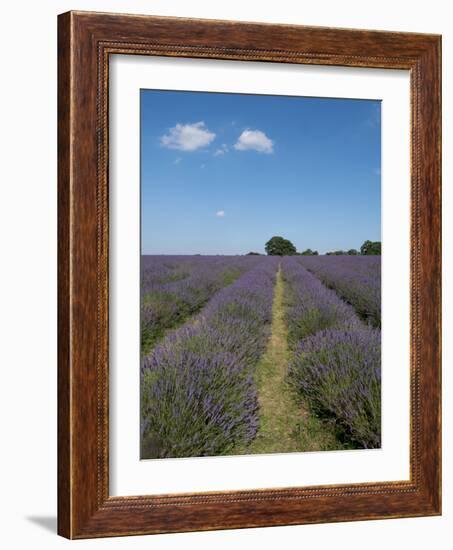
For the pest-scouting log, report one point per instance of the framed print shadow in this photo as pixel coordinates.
(249, 276)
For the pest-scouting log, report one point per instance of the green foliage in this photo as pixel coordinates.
(229, 276)
(369, 248)
(309, 252)
(253, 254)
(169, 311)
(278, 246)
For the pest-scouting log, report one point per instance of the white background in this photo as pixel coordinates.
(28, 275)
(128, 474)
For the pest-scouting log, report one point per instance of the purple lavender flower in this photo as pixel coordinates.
(339, 372)
(336, 358)
(198, 392)
(357, 279)
(175, 287)
(312, 306)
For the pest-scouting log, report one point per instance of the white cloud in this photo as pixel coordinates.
(221, 150)
(255, 140)
(187, 137)
(220, 214)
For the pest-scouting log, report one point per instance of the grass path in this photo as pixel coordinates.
(286, 425)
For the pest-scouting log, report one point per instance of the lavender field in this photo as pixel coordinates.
(258, 354)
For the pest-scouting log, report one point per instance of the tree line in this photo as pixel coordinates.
(278, 246)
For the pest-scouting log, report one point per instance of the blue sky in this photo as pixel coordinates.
(223, 173)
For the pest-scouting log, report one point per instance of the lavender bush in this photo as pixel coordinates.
(175, 287)
(310, 305)
(336, 358)
(339, 371)
(357, 279)
(198, 392)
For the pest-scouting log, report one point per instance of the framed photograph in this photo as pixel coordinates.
(249, 275)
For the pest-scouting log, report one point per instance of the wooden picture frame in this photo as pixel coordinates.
(85, 42)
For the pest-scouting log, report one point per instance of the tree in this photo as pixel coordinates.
(309, 252)
(352, 252)
(253, 254)
(369, 248)
(278, 246)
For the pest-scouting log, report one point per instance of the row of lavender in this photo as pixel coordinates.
(357, 279)
(198, 392)
(175, 287)
(336, 358)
